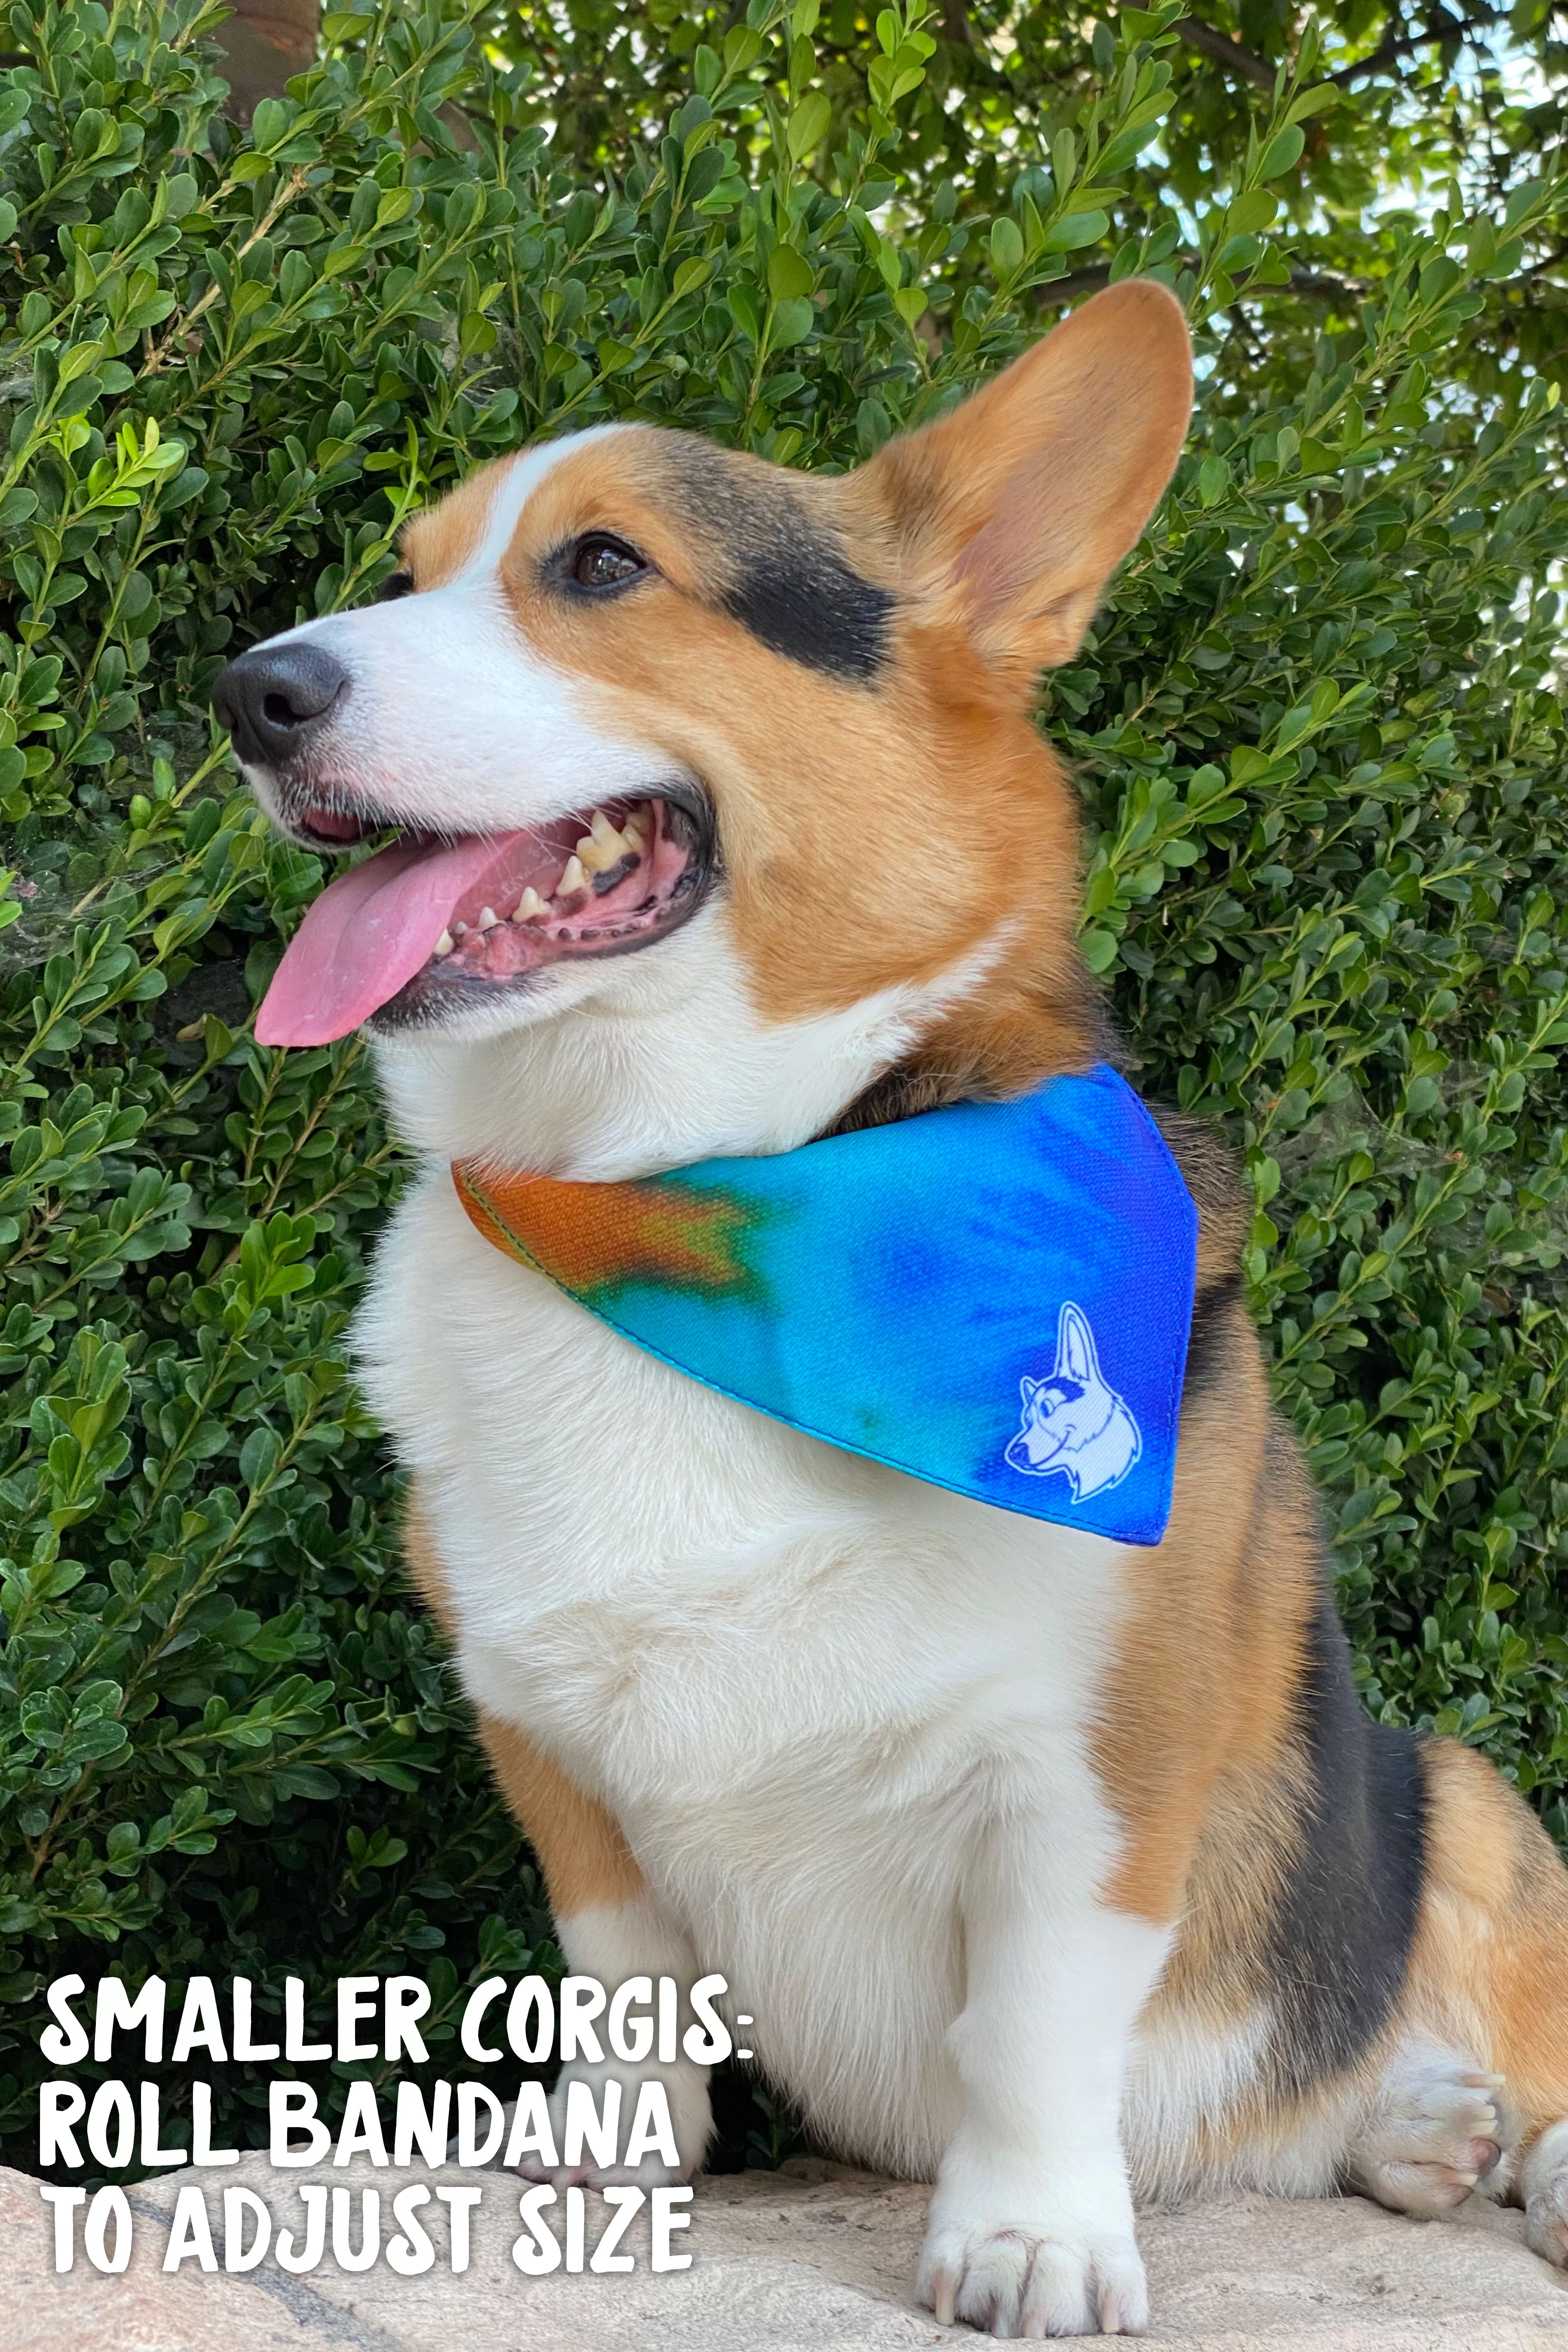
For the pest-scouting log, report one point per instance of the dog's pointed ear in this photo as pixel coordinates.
(1028, 1390)
(1074, 1350)
(1011, 513)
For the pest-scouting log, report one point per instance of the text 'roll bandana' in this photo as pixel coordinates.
(995, 1297)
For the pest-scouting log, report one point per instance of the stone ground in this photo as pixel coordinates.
(815, 2259)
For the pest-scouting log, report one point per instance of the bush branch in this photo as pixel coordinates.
(1226, 52)
(1401, 45)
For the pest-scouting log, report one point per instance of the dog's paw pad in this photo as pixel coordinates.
(1010, 2283)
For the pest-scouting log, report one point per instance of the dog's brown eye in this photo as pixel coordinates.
(396, 585)
(603, 563)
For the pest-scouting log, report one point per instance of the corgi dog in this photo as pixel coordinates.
(1074, 1422)
(1059, 1872)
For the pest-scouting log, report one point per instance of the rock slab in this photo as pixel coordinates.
(814, 2259)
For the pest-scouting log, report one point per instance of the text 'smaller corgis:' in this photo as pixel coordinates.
(1057, 1867)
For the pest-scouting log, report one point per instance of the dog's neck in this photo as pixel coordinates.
(668, 1062)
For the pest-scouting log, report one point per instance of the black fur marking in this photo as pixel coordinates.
(799, 598)
(1348, 1912)
(783, 575)
(1209, 1352)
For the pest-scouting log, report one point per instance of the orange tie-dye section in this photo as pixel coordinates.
(597, 1239)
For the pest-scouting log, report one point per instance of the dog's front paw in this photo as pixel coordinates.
(691, 2126)
(1018, 2261)
(1012, 2282)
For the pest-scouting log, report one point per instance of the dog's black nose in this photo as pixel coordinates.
(275, 697)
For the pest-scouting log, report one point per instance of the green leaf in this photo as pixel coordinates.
(792, 323)
(746, 312)
(1283, 152)
(789, 273)
(1440, 276)
(76, 363)
(270, 122)
(1252, 210)
(1078, 229)
(1007, 246)
(807, 126)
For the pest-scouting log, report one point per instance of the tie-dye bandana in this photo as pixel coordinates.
(995, 1297)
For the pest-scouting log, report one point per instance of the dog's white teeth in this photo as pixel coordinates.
(603, 847)
(445, 944)
(572, 879)
(530, 907)
(489, 918)
(461, 930)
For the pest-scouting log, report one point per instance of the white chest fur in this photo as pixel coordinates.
(802, 1683)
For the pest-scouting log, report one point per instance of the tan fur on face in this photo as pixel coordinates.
(443, 541)
(851, 866)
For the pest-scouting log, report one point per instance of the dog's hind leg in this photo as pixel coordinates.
(1476, 2093)
(609, 1924)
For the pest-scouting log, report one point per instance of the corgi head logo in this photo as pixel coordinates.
(1073, 1420)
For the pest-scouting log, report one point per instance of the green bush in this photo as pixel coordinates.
(1322, 764)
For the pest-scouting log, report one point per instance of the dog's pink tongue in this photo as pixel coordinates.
(368, 934)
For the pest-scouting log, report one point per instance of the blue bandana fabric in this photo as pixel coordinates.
(996, 1298)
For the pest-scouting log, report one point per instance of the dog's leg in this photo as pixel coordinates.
(608, 1921)
(611, 1926)
(1031, 2225)
(1492, 1954)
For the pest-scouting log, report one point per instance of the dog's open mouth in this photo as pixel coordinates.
(429, 923)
